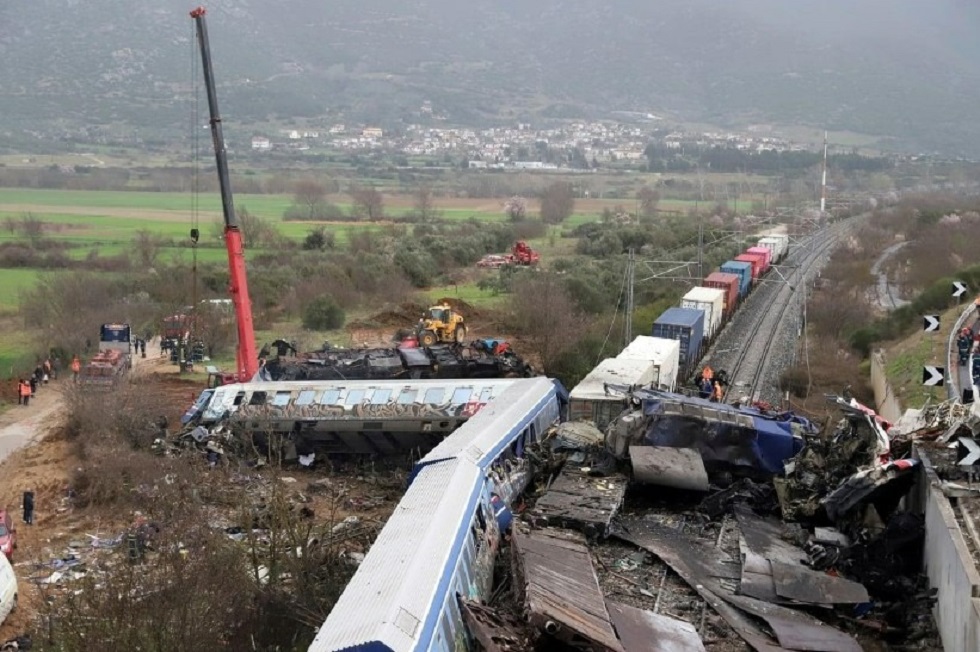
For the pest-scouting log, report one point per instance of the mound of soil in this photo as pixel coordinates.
(469, 311)
(404, 315)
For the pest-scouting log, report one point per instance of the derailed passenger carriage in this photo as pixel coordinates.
(356, 417)
(440, 543)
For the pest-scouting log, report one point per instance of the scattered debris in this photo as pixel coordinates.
(681, 468)
(644, 631)
(578, 500)
(495, 630)
(704, 569)
(559, 588)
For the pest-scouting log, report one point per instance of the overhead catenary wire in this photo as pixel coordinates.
(612, 322)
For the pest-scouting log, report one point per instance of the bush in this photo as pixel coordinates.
(323, 314)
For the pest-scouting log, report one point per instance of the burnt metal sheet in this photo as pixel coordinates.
(695, 563)
(579, 501)
(681, 468)
(801, 584)
(494, 630)
(560, 590)
(645, 631)
(772, 569)
(670, 546)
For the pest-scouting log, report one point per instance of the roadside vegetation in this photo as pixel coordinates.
(844, 324)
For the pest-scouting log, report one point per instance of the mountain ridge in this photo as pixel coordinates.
(889, 68)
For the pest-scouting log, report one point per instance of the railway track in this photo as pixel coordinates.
(752, 365)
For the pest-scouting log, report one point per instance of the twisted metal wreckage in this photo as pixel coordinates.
(840, 486)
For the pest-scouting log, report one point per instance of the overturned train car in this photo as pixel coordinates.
(742, 442)
(440, 361)
(360, 417)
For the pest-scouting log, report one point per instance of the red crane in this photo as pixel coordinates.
(247, 359)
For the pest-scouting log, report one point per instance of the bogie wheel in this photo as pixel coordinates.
(428, 338)
(460, 334)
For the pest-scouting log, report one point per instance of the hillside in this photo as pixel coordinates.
(894, 68)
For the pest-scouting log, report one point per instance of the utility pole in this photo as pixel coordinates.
(630, 281)
(700, 247)
(823, 183)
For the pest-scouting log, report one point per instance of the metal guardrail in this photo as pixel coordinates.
(953, 390)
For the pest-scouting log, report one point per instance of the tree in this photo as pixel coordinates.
(147, 248)
(425, 205)
(309, 194)
(648, 199)
(557, 202)
(323, 314)
(256, 232)
(368, 203)
(319, 239)
(516, 208)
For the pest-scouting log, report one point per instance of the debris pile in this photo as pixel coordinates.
(473, 360)
(815, 555)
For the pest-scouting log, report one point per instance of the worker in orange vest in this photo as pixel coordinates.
(25, 392)
(76, 366)
(707, 373)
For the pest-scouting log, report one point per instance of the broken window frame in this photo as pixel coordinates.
(407, 396)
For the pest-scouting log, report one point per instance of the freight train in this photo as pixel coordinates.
(706, 309)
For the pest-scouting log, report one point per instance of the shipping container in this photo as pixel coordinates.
(778, 245)
(743, 271)
(687, 327)
(766, 257)
(589, 399)
(729, 283)
(663, 353)
(755, 260)
(710, 301)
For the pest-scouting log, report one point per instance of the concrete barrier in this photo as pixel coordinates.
(886, 403)
(949, 565)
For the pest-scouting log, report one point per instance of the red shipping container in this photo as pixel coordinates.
(756, 261)
(727, 282)
(765, 252)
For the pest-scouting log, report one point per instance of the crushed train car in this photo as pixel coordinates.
(473, 360)
(743, 442)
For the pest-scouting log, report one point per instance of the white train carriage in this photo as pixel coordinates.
(442, 538)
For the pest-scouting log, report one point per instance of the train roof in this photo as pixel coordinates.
(349, 393)
(481, 436)
(657, 349)
(391, 606)
(616, 371)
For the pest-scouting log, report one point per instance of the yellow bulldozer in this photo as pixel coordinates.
(440, 324)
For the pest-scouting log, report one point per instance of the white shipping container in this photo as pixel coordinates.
(710, 301)
(589, 399)
(665, 355)
(778, 244)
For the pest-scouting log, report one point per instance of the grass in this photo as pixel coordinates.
(904, 361)
(12, 283)
(15, 352)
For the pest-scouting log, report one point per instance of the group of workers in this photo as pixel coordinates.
(710, 388)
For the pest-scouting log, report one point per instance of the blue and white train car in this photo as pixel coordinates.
(442, 538)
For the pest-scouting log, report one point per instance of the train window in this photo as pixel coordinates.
(486, 394)
(407, 396)
(480, 518)
(461, 396)
(330, 397)
(434, 395)
(239, 398)
(281, 399)
(257, 398)
(305, 397)
(354, 397)
(381, 396)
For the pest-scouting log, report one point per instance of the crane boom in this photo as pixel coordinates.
(247, 362)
